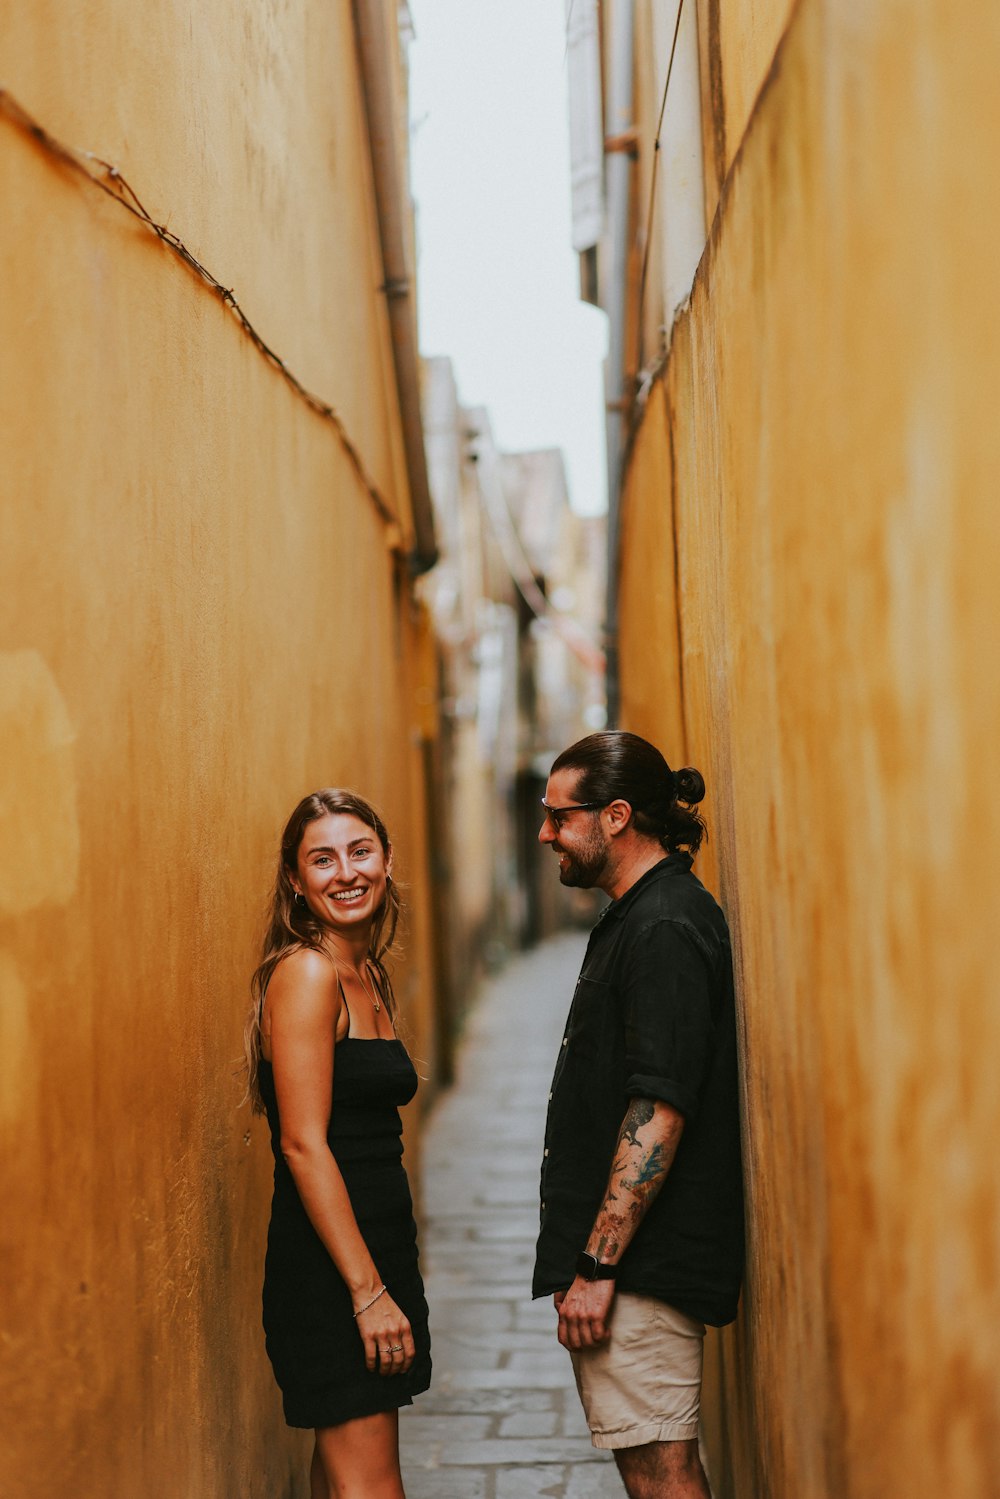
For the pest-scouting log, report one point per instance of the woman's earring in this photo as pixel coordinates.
(300, 899)
(388, 879)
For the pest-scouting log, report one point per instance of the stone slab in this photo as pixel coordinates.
(502, 1419)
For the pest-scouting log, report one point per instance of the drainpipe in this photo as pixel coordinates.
(620, 147)
(371, 33)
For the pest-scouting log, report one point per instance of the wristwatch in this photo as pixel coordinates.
(589, 1267)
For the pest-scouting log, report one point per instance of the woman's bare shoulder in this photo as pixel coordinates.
(306, 973)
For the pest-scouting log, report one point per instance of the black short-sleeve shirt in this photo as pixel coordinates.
(653, 1016)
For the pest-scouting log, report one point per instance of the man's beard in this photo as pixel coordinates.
(586, 865)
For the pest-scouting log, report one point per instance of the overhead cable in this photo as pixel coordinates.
(653, 171)
(107, 177)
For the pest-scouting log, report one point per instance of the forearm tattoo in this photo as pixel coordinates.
(642, 1160)
(640, 1112)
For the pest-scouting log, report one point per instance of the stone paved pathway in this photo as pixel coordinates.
(501, 1420)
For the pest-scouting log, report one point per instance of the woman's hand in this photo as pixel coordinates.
(385, 1332)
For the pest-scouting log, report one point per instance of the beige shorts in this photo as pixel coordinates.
(644, 1383)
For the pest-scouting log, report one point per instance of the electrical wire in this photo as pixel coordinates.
(569, 18)
(120, 191)
(654, 172)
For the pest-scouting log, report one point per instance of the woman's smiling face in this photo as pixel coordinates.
(341, 871)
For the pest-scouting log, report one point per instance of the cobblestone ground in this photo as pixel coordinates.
(502, 1419)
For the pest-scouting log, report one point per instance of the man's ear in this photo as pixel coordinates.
(619, 815)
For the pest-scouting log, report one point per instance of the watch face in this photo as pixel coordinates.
(586, 1265)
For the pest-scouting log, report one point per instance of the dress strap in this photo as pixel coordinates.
(340, 986)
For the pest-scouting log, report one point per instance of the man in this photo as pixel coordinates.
(641, 1239)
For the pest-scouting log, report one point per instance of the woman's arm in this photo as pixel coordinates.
(304, 1006)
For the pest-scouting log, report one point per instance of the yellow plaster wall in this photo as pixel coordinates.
(829, 404)
(200, 620)
(737, 40)
(648, 588)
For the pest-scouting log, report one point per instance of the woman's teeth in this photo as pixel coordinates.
(346, 896)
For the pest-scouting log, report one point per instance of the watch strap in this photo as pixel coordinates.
(589, 1267)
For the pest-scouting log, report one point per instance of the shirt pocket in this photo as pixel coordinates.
(593, 1019)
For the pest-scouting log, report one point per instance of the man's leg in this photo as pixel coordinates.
(641, 1393)
(663, 1470)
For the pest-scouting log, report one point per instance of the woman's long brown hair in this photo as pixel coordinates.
(292, 925)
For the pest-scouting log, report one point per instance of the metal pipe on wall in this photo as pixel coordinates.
(371, 33)
(618, 180)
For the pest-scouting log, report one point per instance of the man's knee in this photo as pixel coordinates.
(663, 1470)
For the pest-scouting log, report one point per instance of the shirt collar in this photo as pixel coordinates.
(678, 863)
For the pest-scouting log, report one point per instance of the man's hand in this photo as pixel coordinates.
(583, 1312)
(647, 1142)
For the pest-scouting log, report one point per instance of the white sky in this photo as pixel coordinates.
(498, 280)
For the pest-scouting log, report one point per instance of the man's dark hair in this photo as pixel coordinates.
(616, 765)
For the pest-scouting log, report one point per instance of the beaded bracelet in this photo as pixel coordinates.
(380, 1292)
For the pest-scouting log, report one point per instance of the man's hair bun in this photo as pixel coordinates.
(690, 786)
(615, 765)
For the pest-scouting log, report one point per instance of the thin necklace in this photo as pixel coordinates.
(374, 998)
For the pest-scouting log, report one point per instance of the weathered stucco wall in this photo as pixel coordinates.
(736, 44)
(826, 434)
(200, 620)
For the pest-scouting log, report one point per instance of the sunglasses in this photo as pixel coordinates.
(558, 815)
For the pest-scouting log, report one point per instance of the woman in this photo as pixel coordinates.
(344, 1312)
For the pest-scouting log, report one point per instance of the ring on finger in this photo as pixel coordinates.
(396, 1348)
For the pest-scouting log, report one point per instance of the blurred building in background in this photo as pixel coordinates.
(516, 601)
(782, 208)
(561, 664)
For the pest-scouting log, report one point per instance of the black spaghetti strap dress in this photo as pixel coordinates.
(312, 1339)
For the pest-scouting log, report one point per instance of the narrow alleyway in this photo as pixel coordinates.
(501, 1420)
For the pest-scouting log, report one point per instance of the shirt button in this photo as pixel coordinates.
(546, 1152)
(565, 1040)
(543, 1207)
(550, 1098)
